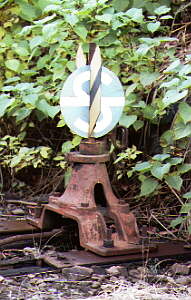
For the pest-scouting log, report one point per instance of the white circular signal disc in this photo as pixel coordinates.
(75, 102)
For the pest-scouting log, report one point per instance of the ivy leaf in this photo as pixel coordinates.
(172, 68)
(185, 70)
(120, 5)
(136, 14)
(181, 131)
(5, 102)
(143, 49)
(172, 96)
(161, 10)
(153, 26)
(187, 195)
(185, 209)
(127, 121)
(176, 222)
(175, 160)
(13, 64)
(105, 18)
(185, 84)
(159, 171)
(148, 186)
(22, 113)
(36, 41)
(61, 123)
(28, 12)
(45, 151)
(147, 78)
(50, 30)
(138, 125)
(67, 146)
(76, 140)
(174, 181)
(184, 168)
(173, 82)
(142, 167)
(71, 19)
(161, 157)
(81, 31)
(48, 110)
(185, 112)
(130, 89)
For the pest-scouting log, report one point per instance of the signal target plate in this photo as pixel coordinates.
(75, 102)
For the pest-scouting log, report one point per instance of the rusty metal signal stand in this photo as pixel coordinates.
(78, 203)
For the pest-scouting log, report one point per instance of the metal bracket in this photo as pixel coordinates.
(118, 236)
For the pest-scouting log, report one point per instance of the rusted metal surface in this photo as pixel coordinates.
(92, 146)
(119, 137)
(86, 258)
(9, 226)
(79, 203)
(87, 159)
(30, 236)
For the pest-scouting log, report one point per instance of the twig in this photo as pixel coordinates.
(182, 203)
(166, 229)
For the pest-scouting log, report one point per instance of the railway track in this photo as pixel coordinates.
(25, 249)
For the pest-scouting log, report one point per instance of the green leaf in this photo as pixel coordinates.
(127, 121)
(72, 19)
(22, 113)
(159, 171)
(45, 152)
(175, 160)
(21, 51)
(5, 102)
(120, 5)
(50, 31)
(76, 140)
(148, 186)
(185, 70)
(161, 10)
(147, 78)
(185, 209)
(130, 89)
(184, 168)
(105, 18)
(30, 99)
(142, 167)
(174, 181)
(28, 12)
(185, 84)
(61, 123)
(153, 26)
(143, 49)
(161, 157)
(138, 125)
(176, 222)
(48, 110)
(67, 146)
(172, 68)
(185, 112)
(13, 64)
(81, 31)
(182, 130)
(187, 195)
(36, 41)
(173, 82)
(136, 14)
(173, 96)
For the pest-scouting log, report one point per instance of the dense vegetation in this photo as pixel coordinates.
(145, 43)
